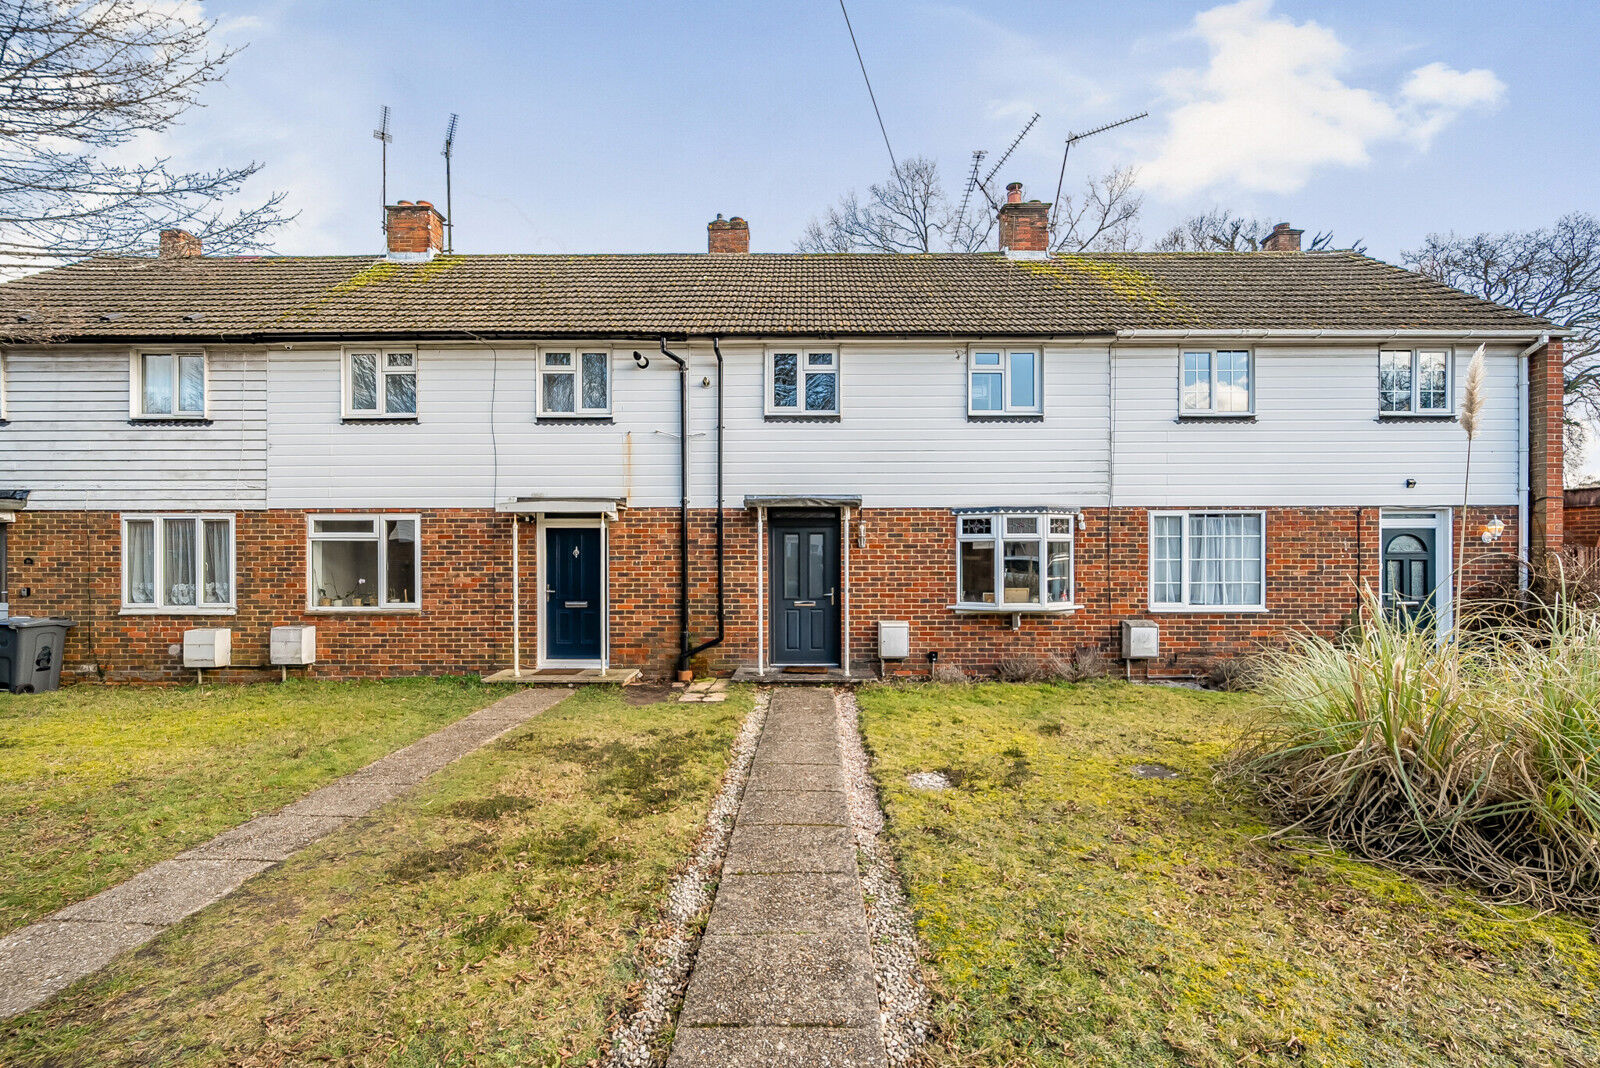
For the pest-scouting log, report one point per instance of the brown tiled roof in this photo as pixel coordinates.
(730, 295)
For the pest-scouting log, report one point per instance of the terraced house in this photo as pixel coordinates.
(478, 462)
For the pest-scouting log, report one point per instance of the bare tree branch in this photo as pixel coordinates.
(80, 78)
(1220, 230)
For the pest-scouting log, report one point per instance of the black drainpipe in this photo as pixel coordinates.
(685, 652)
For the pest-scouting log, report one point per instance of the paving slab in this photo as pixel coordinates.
(266, 838)
(795, 776)
(165, 893)
(777, 849)
(787, 904)
(345, 798)
(777, 1047)
(44, 957)
(782, 981)
(797, 752)
(814, 807)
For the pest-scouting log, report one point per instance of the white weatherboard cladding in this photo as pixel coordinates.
(903, 438)
(1316, 439)
(70, 442)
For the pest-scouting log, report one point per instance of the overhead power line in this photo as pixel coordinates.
(870, 94)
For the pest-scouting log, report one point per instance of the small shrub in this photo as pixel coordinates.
(1234, 674)
(1017, 669)
(947, 673)
(1082, 665)
(1473, 757)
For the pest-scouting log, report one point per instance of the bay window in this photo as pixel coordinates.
(1004, 381)
(365, 562)
(177, 563)
(1202, 561)
(1010, 561)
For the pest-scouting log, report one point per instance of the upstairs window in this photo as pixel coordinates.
(1414, 382)
(1206, 560)
(177, 563)
(380, 384)
(365, 562)
(1216, 383)
(803, 381)
(1004, 381)
(169, 385)
(574, 383)
(1014, 562)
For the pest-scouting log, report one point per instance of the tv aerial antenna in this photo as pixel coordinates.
(974, 182)
(1073, 139)
(385, 138)
(449, 212)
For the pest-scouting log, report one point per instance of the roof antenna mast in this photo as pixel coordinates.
(384, 138)
(974, 182)
(1073, 139)
(449, 214)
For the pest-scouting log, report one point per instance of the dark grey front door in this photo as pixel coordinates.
(1410, 572)
(805, 588)
(574, 594)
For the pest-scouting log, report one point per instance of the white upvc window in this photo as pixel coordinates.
(364, 562)
(1216, 382)
(574, 382)
(1002, 380)
(1010, 561)
(179, 564)
(1207, 561)
(166, 384)
(1414, 382)
(380, 383)
(802, 380)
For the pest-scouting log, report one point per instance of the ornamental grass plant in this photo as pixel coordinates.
(1475, 758)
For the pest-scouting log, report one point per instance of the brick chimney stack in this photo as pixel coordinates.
(416, 231)
(1024, 225)
(727, 235)
(179, 245)
(1282, 239)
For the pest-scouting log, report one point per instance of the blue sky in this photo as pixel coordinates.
(626, 126)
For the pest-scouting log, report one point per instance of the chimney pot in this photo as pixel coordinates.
(179, 245)
(1283, 238)
(415, 231)
(1024, 226)
(728, 235)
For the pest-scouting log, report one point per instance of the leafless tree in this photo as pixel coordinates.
(1553, 272)
(1221, 230)
(81, 80)
(913, 213)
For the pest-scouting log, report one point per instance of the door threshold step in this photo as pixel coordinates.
(566, 676)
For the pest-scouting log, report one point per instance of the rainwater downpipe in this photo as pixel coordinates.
(722, 606)
(683, 503)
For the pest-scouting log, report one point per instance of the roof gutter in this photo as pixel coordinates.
(1405, 332)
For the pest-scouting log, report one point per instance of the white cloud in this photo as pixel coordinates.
(1273, 106)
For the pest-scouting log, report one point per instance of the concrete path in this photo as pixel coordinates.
(44, 957)
(784, 973)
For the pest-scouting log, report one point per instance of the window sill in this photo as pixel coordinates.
(1224, 417)
(169, 420)
(1005, 417)
(800, 417)
(380, 420)
(186, 610)
(356, 610)
(574, 420)
(1412, 417)
(1209, 610)
(1015, 609)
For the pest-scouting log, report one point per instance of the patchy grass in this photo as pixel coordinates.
(490, 917)
(98, 783)
(1079, 914)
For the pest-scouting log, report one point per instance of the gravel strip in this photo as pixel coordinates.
(668, 949)
(903, 998)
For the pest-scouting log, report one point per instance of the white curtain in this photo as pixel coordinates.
(140, 554)
(219, 563)
(177, 562)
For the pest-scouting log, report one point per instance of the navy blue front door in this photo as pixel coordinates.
(574, 606)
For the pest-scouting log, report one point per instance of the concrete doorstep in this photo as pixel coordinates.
(784, 976)
(45, 957)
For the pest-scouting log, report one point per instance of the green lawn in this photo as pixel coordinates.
(489, 917)
(98, 783)
(1078, 914)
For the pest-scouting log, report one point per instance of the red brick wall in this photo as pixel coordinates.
(1580, 518)
(1547, 393)
(902, 566)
